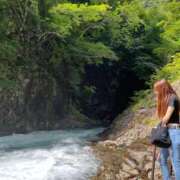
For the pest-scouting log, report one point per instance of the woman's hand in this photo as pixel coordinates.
(163, 123)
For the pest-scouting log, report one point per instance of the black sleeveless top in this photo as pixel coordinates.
(174, 101)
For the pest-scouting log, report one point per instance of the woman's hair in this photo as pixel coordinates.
(165, 91)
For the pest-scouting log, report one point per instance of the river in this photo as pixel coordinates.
(48, 155)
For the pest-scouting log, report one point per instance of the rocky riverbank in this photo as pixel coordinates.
(124, 150)
(126, 157)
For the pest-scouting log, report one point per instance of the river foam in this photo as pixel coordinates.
(48, 155)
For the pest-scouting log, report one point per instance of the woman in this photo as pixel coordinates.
(168, 108)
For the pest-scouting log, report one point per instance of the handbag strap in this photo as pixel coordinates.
(153, 163)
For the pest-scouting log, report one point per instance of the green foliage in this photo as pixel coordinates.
(7, 84)
(95, 52)
(69, 18)
(88, 91)
(133, 34)
(77, 114)
(171, 71)
(142, 99)
(148, 40)
(170, 27)
(57, 39)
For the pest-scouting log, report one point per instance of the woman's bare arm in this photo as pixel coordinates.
(168, 114)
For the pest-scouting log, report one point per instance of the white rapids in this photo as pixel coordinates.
(48, 155)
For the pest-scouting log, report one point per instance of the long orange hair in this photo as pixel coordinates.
(165, 91)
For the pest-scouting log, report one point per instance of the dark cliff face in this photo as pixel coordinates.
(24, 109)
(32, 106)
(43, 104)
(114, 88)
(38, 104)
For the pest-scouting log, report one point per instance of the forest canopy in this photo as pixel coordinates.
(81, 52)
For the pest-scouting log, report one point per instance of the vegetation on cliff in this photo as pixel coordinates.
(71, 57)
(170, 71)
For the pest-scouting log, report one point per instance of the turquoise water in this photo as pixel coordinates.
(48, 155)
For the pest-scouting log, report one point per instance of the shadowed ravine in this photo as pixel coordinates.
(54, 155)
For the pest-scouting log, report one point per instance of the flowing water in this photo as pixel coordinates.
(48, 155)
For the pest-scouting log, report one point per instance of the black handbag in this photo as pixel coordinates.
(160, 137)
